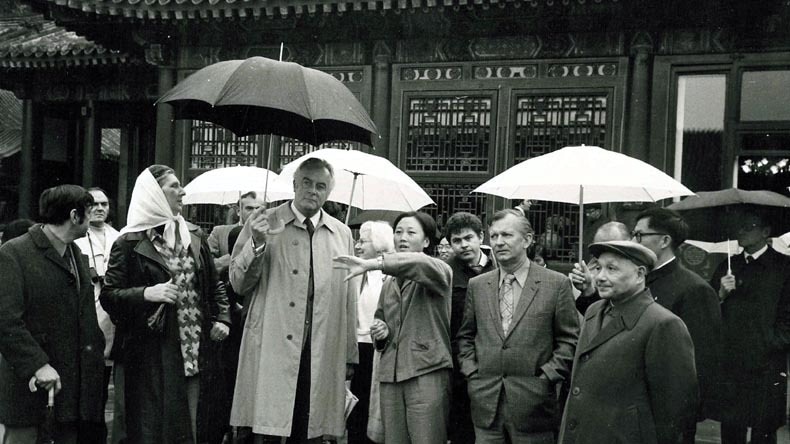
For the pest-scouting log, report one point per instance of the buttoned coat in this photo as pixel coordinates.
(47, 317)
(526, 363)
(756, 318)
(633, 381)
(276, 281)
(416, 308)
(694, 301)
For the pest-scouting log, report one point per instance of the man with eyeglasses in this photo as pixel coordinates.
(685, 294)
(755, 306)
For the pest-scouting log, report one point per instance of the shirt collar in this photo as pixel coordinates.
(301, 217)
(663, 264)
(483, 259)
(520, 274)
(57, 244)
(756, 255)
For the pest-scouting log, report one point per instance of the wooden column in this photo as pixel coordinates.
(381, 103)
(89, 148)
(638, 115)
(165, 126)
(27, 183)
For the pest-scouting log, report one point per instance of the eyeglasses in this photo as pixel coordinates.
(441, 247)
(638, 235)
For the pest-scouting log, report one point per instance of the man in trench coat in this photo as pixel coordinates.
(634, 380)
(299, 339)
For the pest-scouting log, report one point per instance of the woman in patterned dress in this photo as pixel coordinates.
(162, 292)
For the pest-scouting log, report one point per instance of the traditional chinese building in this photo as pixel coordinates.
(459, 89)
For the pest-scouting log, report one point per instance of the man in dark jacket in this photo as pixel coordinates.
(464, 232)
(755, 311)
(685, 294)
(49, 334)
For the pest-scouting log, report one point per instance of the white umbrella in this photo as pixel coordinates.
(366, 181)
(225, 185)
(731, 247)
(584, 174)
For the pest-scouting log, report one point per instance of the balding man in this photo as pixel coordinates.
(581, 275)
(633, 378)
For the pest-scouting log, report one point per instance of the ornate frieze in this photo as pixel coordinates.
(505, 72)
(582, 70)
(431, 73)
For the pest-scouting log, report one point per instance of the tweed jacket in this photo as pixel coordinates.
(526, 363)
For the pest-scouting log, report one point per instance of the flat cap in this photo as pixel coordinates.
(630, 250)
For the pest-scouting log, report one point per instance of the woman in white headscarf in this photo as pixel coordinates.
(170, 310)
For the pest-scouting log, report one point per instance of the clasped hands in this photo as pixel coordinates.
(167, 293)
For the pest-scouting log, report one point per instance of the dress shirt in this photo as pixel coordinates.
(756, 255)
(301, 217)
(367, 303)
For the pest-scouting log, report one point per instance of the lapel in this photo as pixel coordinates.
(528, 294)
(42, 242)
(146, 249)
(661, 272)
(492, 283)
(629, 315)
(194, 245)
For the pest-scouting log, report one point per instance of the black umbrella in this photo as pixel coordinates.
(46, 431)
(264, 96)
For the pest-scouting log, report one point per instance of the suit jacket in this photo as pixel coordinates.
(633, 381)
(694, 301)
(526, 363)
(218, 240)
(756, 319)
(47, 316)
(415, 304)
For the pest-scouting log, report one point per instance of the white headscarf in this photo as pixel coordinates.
(149, 209)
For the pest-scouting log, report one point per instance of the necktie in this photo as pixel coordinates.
(310, 227)
(310, 286)
(506, 301)
(749, 259)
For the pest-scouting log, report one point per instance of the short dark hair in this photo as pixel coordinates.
(526, 227)
(160, 171)
(56, 203)
(666, 221)
(16, 228)
(460, 221)
(251, 194)
(428, 227)
(100, 190)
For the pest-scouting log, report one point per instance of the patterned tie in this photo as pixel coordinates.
(506, 301)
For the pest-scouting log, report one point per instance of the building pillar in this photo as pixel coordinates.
(165, 121)
(89, 148)
(638, 114)
(27, 183)
(382, 85)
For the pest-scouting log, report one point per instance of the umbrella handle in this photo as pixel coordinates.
(51, 397)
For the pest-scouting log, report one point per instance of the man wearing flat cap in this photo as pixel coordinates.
(634, 379)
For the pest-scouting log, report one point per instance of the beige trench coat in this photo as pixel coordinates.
(272, 341)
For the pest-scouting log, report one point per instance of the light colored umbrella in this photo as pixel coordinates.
(584, 174)
(365, 181)
(225, 185)
(731, 247)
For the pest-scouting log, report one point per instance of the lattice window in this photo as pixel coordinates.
(215, 147)
(448, 133)
(291, 149)
(453, 197)
(545, 123)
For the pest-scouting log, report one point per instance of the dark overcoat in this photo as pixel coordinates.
(634, 380)
(756, 319)
(155, 386)
(528, 361)
(46, 317)
(694, 301)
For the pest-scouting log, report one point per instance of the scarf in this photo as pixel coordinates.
(149, 209)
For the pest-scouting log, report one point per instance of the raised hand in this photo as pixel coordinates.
(355, 266)
(260, 227)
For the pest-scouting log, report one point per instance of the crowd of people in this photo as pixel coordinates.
(262, 331)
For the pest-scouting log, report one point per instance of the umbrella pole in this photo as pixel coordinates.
(268, 168)
(729, 267)
(353, 188)
(581, 223)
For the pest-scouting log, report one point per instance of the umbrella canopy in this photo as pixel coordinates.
(601, 175)
(366, 181)
(584, 174)
(388, 216)
(224, 186)
(714, 215)
(264, 96)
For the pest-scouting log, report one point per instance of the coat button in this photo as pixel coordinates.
(88, 348)
(572, 424)
(289, 337)
(576, 390)
(295, 272)
(585, 358)
(296, 242)
(504, 347)
(292, 304)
